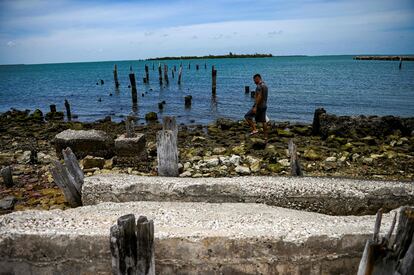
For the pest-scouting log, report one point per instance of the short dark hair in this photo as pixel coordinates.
(257, 75)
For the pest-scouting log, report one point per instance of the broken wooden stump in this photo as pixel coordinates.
(213, 80)
(197, 67)
(132, 246)
(172, 73)
(167, 153)
(69, 177)
(296, 170)
(129, 127)
(68, 113)
(52, 108)
(383, 257)
(6, 174)
(116, 77)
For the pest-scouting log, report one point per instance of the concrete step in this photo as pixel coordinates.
(324, 195)
(191, 238)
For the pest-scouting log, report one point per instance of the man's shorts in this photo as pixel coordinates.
(259, 116)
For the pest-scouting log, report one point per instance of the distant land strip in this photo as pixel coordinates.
(230, 55)
(385, 57)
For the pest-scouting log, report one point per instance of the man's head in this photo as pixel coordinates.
(257, 78)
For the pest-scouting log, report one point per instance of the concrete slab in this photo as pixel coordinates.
(324, 195)
(191, 238)
(85, 142)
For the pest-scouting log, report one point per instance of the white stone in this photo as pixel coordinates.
(242, 170)
(235, 159)
(284, 162)
(330, 159)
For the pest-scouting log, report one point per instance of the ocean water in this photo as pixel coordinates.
(297, 85)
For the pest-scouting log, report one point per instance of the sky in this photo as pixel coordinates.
(47, 31)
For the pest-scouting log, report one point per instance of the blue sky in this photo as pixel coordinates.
(45, 31)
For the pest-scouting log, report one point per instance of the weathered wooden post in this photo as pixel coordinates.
(116, 77)
(294, 160)
(316, 124)
(159, 73)
(6, 174)
(383, 257)
(68, 113)
(187, 100)
(166, 74)
(246, 89)
(132, 246)
(170, 123)
(179, 74)
(129, 127)
(167, 153)
(69, 177)
(133, 86)
(197, 67)
(205, 66)
(400, 65)
(213, 79)
(146, 74)
(172, 73)
(175, 68)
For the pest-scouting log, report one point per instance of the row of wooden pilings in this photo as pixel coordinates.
(162, 77)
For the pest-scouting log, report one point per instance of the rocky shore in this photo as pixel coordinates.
(380, 148)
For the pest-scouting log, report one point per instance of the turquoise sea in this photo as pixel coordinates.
(297, 85)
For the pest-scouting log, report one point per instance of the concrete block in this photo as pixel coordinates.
(85, 142)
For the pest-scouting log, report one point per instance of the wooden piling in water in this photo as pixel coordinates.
(246, 89)
(172, 73)
(175, 68)
(160, 73)
(213, 80)
(205, 66)
(6, 174)
(116, 77)
(187, 100)
(166, 74)
(68, 113)
(180, 74)
(197, 67)
(133, 87)
(400, 65)
(132, 246)
(146, 74)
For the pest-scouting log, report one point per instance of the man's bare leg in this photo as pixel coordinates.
(252, 125)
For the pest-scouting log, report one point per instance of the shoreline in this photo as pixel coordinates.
(356, 149)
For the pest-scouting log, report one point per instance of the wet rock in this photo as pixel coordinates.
(240, 149)
(330, 159)
(93, 162)
(284, 162)
(151, 116)
(242, 170)
(254, 163)
(85, 142)
(257, 143)
(235, 160)
(186, 174)
(224, 123)
(311, 155)
(37, 116)
(6, 159)
(44, 158)
(219, 150)
(354, 157)
(54, 116)
(369, 140)
(284, 133)
(7, 203)
(366, 160)
(303, 131)
(211, 161)
(130, 146)
(275, 167)
(198, 139)
(23, 157)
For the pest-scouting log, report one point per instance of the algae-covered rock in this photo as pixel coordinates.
(239, 150)
(257, 143)
(311, 155)
(303, 131)
(151, 116)
(93, 162)
(37, 115)
(284, 133)
(275, 167)
(51, 116)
